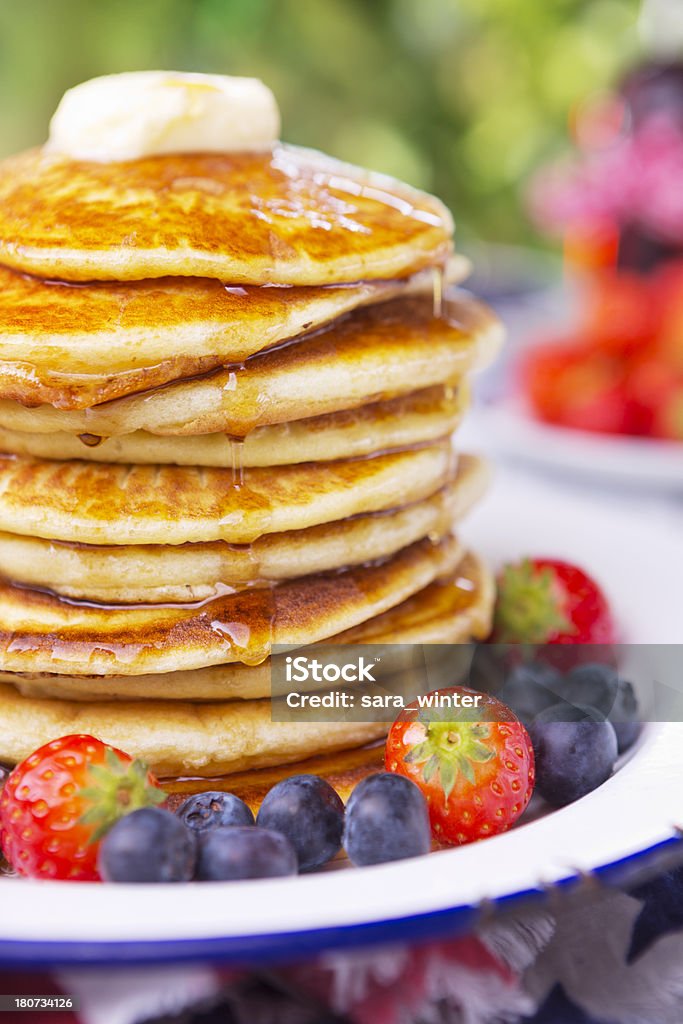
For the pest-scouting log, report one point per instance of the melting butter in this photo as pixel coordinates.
(147, 113)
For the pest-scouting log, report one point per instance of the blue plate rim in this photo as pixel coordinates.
(284, 947)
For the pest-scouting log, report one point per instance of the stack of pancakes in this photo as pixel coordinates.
(228, 385)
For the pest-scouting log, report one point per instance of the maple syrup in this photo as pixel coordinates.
(236, 460)
(438, 278)
(241, 620)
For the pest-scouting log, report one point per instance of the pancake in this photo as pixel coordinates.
(98, 503)
(450, 611)
(75, 346)
(41, 632)
(343, 770)
(375, 354)
(416, 418)
(177, 738)
(190, 572)
(289, 216)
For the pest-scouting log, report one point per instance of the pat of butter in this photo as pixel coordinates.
(145, 113)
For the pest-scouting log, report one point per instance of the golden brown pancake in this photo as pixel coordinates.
(375, 354)
(449, 611)
(291, 217)
(74, 346)
(99, 503)
(41, 632)
(179, 738)
(343, 770)
(416, 418)
(190, 572)
(176, 738)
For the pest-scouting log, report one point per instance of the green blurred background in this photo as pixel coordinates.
(462, 97)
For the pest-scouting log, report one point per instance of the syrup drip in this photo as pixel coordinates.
(438, 289)
(247, 499)
(242, 623)
(453, 459)
(236, 460)
(90, 440)
(249, 636)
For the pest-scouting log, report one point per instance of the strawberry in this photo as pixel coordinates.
(668, 295)
(620, 315)
(568, 384)
(474, 765)
(669, 419)
(656, 391)
(57, 805)
(547, 601)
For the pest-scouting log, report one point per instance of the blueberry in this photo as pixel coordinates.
(214, 810)
(594, 685)
(600, 687)
(624, 716)
(487, 669)
(627, 734)
(563, 711)
(386, 819)
(239, 851)
(530, 688)
(310, 813)
(575, 749)
(148, 845)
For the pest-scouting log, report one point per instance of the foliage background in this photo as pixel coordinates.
(462, 97)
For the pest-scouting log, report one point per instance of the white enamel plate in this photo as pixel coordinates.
(623, 822)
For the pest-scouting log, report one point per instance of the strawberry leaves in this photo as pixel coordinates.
(451, 750)
(529, 605)
(550, 601)
(447, 772)
(430, 768)
(114, 789)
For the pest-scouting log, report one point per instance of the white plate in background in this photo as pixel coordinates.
(508, 427)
